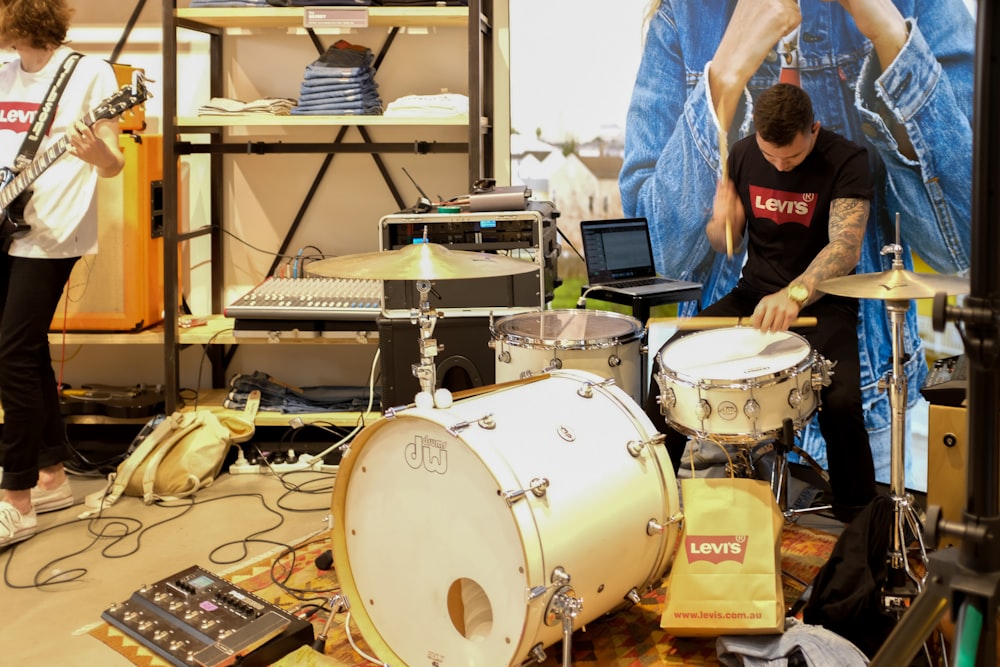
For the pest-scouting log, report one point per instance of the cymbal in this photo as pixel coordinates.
(893, 285)
(420, 261)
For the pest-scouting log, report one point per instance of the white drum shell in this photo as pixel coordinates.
(419, 505)
(726, 373)
(602, 342)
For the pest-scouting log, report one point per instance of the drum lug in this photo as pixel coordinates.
(668, 399)
(704, 409)
(504, 357)
(538, 486)
(654, 527)
(486, 421)
(823, 372)
(633, 597)
(752, 410)
(614, 361)
(635, 447)
(586, 389)
(795, 398)
(538, 653)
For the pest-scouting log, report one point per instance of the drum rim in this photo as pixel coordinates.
(538, 343)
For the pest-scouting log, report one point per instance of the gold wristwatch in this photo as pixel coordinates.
(798, 293)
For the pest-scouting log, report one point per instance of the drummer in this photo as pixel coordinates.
(798, 195)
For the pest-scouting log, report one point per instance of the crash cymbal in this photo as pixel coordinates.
(895, 284)
(420, 261)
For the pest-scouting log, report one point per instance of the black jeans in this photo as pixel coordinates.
(841, 415)
(34, 435)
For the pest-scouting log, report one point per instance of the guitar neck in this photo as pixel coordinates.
(41, 162)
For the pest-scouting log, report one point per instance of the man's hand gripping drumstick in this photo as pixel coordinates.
(725, 227)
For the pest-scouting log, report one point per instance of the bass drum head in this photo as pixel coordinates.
(445, 552)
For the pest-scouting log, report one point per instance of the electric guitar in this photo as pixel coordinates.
(14, 184)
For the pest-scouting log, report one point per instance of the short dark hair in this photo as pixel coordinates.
(42, 23)
(781, 112)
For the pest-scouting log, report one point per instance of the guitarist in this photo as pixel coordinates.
(62, 215)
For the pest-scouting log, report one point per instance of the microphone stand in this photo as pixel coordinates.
(966, 578)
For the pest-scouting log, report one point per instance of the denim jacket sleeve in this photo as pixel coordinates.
(928, 90)
(671, 164)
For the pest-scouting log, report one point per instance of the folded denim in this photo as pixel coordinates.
(279, 396)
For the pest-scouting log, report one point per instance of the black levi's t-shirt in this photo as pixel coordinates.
(788, 213)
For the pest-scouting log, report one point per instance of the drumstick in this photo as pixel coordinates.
(724, 167)
(685, 323)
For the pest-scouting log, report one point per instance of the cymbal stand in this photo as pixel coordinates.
(426, 318)
(903, 583)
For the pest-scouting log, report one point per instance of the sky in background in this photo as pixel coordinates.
(573, 63)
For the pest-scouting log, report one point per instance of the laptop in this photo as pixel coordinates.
(619, 257)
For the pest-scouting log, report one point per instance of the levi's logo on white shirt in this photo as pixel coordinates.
(781, 206)
(17, 116)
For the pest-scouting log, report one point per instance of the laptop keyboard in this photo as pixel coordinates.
(638, 282)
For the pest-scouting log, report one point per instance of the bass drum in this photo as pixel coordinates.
(458, 531)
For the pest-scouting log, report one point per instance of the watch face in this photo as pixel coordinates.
(798, 293)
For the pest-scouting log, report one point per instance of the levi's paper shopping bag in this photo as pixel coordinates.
(726, 578)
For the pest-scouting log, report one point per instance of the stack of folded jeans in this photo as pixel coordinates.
(341, 82)
(278, 396)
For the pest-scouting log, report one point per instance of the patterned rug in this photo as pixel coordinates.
(630, 638)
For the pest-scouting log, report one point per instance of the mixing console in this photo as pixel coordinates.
(313, 298)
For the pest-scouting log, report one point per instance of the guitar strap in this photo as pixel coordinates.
(46, 112)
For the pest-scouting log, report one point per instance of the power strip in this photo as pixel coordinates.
(247, 468)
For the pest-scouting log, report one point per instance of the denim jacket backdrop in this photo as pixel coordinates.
(672, 156)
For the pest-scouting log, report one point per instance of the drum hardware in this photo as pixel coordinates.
(897, 287)
(654, 527)
(586, 389)
(423, 263)
(538, 486)
(635, 447)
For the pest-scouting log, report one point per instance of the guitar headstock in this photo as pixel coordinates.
(130, 95)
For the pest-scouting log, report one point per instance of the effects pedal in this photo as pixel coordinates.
(197, 619)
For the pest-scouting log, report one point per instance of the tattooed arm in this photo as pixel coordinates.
(848, 217)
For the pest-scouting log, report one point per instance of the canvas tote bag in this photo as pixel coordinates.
(726, 578)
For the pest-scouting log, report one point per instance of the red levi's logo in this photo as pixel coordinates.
(781, 206)
(17, 116)
(716, 548)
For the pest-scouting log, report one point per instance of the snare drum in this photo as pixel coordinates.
(602, 342)
(739, 384)
(458, 531)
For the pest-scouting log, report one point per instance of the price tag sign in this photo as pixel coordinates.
(335, 17)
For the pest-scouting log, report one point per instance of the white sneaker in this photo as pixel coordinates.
(51, 500)
(14, 526)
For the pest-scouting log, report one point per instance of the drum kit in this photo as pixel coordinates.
(470, 529)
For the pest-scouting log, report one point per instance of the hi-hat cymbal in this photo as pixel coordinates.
(893, 285)
(420, 261)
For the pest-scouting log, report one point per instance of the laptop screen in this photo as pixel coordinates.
(617, 249)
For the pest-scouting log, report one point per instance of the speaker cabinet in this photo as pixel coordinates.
(947, 454)
(121, 287)
(465, 362)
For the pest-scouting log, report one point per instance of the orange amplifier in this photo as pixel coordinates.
(133, 120)
(121, 287)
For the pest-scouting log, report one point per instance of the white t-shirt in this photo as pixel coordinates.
(62, 211)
